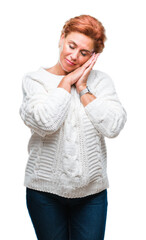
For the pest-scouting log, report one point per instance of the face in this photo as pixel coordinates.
(75, 50)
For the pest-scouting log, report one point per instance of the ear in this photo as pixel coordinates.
(61, 40)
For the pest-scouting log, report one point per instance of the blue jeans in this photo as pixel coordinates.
(59, 218)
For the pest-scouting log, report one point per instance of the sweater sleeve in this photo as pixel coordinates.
(106, 111)
(42, 111)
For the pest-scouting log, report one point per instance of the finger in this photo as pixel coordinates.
(97, 55)
(86, 64)
(93, 61)
(90, 66)
(87, 70)
(93, 58)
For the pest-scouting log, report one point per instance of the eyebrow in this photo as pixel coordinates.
(77, 45)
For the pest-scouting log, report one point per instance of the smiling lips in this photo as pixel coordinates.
(69, 62)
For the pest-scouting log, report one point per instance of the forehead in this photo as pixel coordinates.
(81, 40)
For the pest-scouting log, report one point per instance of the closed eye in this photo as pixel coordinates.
(71, 46)
(84, 54)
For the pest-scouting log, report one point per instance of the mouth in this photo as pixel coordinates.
(69, 62)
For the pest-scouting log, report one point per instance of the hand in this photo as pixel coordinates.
(80, 75)
(86, 67)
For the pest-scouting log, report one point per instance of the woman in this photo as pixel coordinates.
(70, 108)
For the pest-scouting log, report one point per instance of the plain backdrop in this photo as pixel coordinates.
(30, 32)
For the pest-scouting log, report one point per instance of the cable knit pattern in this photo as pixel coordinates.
(44, 111)
(67, 150)
(106, 112)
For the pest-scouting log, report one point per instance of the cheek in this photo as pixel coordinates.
(64, 51)
(83, 60)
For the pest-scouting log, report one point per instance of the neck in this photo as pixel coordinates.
(57, 69)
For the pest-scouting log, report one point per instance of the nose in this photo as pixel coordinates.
(74, 55)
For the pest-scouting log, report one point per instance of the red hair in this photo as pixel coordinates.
(89, 26)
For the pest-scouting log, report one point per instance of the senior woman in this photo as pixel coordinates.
(70, 109)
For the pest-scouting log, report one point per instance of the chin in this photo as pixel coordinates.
(66, 68)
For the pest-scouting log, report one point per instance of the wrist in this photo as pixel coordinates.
(66, 80)
(81, 87)
(84, 91)
(65, 84)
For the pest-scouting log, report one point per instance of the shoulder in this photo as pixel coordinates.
(34, 75)
(33, 81)
(37, 76)
(97, 77)
(100, 74)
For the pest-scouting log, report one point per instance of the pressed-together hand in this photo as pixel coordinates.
(80, 75)
(86, 68)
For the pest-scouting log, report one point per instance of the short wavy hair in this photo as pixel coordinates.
(89, 26)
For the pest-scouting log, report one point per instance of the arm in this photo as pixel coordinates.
(41, 111)
(86, 98)
(104, 109)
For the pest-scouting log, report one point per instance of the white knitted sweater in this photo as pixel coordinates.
(67, 151)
